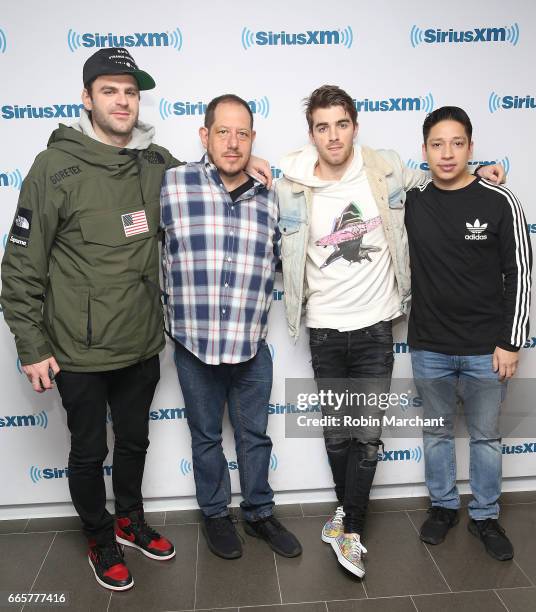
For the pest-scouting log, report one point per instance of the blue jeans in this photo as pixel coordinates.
(440, 379)
(245, 387)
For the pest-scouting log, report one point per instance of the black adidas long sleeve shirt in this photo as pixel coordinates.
(471, 263)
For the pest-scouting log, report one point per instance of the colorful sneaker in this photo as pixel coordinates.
(349, 551)
(334, 527)
(132, 530)
(109, 566)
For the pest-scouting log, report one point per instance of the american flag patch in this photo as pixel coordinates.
(135, 223)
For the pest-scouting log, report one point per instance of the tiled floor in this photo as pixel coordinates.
(403, 575)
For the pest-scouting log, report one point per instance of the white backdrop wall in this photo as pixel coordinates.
(402, 58)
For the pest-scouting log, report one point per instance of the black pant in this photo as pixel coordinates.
(359, 362)
(129, 392)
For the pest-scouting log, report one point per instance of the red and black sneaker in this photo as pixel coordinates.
(109, 566)
(132, 530)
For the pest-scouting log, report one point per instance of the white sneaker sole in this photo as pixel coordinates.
(145, 552)
(345, 563)
(126, 587)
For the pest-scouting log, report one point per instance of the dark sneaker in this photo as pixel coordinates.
(492, 535)
(109, 566)
(221, 536)
(436, 526)
(132, 530)
(278, 537)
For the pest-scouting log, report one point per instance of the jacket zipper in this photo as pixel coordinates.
(89, 326)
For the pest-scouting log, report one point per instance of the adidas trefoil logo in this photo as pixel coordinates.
(476, 231)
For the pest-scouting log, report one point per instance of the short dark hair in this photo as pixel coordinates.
(326, 96)
(212, 105)
(447, 113)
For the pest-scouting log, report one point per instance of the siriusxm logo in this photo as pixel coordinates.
(504, 161)
(56, 111)
(169, 38)
(419, 103)
(186, 467)
(407, 454)
(11, 179)
(276, 172)
(519, 449)
(342, 36)
(531, 227)
(167, 414)
(3, 41)
(530, 343)
(291, 409)
(508, 34)
(25, 420)
(188, 109)
(496, 102)
(277, 295)
(50, 473)
(401, 348)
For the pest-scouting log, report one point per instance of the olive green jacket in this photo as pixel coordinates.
(80, 273)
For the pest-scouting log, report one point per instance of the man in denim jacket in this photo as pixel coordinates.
(345, 258)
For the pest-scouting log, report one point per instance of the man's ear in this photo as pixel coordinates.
(203, 134)
(424, 156)
(86, 100)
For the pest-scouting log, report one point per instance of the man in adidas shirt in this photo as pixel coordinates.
(344, 253)
(470, 273)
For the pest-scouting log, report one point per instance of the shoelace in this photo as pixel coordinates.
(271, 524)
(338, 516)
(491, 526)
(141, 528)
(356, 548)
(439, 513)
(220, 524)
(110, 554)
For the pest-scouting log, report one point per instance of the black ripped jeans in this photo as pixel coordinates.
(357, 365)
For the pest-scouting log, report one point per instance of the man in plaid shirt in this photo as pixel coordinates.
(219, 264)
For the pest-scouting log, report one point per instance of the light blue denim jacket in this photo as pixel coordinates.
(389, 179)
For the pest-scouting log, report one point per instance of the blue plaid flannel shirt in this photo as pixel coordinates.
(218, 263)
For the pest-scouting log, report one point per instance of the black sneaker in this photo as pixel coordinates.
(278, 537)
(109, 566)
(222, 538)
(492, 535)
(436, 526)
(132, 530)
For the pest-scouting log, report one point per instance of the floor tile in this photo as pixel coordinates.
(248, 581)
(61, 523)
(21, 556)
(397, 563)
(315, 575)
(155, 519)
(477, 601)
(318, 606)
(162, 585)
(13, 526)
(518, 600)
(464, 562)
(66, 569)
(383, 604)
(402, 503)
(287, 510)
(518, 497)
(181, 517)
(319, 509)
(520, 525)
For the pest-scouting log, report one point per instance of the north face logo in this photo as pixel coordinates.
(476, 231)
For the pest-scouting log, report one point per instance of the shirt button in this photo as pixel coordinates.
(223, 311)
(231, 233)
(226, 284)
(229, 259)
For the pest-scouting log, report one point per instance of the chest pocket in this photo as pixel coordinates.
(397, 195)
(289, 225)
(120, 227)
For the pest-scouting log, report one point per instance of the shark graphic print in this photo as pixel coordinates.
(346, 237)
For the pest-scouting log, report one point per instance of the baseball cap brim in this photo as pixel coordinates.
(145, 80)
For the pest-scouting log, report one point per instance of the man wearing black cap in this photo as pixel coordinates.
(81, 295)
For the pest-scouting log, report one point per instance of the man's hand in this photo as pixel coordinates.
(505, 363)
(37, 374)
(260, 169)
(493, 173)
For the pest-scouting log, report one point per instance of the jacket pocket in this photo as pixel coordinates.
(397, 196)
(120, 227)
